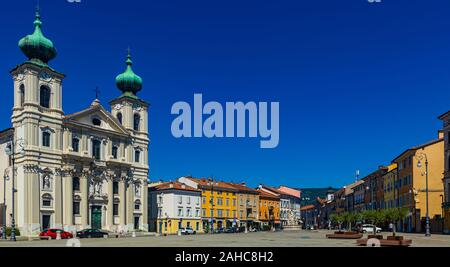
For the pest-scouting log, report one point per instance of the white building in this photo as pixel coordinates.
(83, 170)
(173, 206)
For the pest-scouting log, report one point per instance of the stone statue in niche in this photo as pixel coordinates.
(47, 182)
(95, 188)
(137, 190)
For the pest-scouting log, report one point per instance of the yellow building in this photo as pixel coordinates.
(269, 210)
(174, 206)
(411, 185)
(247, 206)
(389, 179)
(445, 118)
(219, 202)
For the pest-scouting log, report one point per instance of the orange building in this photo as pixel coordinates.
(269, 210)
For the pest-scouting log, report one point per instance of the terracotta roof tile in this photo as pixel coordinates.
(219, 185)
(263, 194)
(175, 186)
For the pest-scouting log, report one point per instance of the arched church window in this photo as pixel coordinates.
(47, 200)
(115, 188)
(96, 121)
(137, 205)
(137, 155)
(76, 184)
(116, 207)
(76, 144)
(119, 117)
(45, 97)
(136, 122)
(46, 138)
(96, 148)
(22, 94)
(114, 151)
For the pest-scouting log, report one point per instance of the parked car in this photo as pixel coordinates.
(369, 228)
(218, 230)
(230, 230)
(53, 234)
(188, 231)
(92, 233)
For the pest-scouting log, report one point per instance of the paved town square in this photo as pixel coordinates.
(260, 239)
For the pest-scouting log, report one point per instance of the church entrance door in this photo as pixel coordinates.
(96, 217)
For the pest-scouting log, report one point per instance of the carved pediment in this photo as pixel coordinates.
(96, 117)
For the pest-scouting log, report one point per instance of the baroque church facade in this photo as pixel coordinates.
(83, 170)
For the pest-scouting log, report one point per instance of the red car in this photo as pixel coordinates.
(52, 233)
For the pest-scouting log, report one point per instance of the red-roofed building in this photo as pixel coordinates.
(289, 205)
(173, 206)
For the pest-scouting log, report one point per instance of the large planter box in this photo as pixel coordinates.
(380, 237)
(345, 235)
(397, 238)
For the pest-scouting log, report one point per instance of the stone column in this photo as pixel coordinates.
(110, 214)
(122, 205)
(145, 207)
(84, 209)
(130, 206)
(68, 203)
(33, 205)
(58, 200)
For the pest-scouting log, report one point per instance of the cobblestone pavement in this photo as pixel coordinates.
(263, 239)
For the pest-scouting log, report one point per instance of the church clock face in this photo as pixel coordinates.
(137, 107)
(45, 76)
(118, 107)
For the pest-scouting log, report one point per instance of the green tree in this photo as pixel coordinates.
(337, 218)
(394, 216)
(374, 217)
(349, 218)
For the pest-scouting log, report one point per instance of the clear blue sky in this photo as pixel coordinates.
(357, 83)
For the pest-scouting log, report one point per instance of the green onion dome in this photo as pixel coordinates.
(129, 82)
(35, 46)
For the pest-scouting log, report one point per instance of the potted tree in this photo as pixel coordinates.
(394, 216)
(374, 217)
(349, 218)
(337, 219)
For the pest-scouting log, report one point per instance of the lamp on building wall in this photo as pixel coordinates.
(422, 156)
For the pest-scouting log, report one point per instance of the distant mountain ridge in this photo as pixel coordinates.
(309, 195)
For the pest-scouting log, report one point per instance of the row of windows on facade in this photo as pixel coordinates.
(407, 180)
(219, 201)
(181, 213)
(76, 187)
(180, 226)
(96, 147)
(407, 162)
(44, 96)
(136, 120)
(220, 192)
(44, 101)
(47, 202)
(219, 213)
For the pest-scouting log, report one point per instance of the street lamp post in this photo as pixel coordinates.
(5, 178)
(442, 211)
(422, 156)
(211, 181)
(11, 151)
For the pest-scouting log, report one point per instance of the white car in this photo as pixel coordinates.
(188, 231)
(368, 228)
